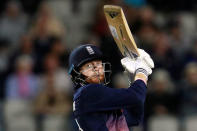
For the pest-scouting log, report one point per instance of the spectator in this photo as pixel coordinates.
(4, 64)
(164, 57)
(162, 97)
(189, 90)
(25, 48)
(59, 49)
(21, 88)
(177, 39)
(43, 32)
(53, 103)
(47, 23)
(145, 28)
(13, 24)
(191, 54)
(22, 84)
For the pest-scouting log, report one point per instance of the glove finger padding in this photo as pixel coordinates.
(146, 57)
(128, 64)
(149, 62)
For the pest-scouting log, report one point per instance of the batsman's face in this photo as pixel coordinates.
(93, 71)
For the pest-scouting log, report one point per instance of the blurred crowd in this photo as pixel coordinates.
(36, 37)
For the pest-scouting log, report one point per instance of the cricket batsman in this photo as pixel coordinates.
(98, 107)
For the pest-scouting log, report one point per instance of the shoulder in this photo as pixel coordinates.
(90, 90)
(94, 88)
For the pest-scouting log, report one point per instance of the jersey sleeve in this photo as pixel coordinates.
(96, 97)
(134, 115)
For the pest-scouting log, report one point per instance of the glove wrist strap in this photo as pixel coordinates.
(143, 71)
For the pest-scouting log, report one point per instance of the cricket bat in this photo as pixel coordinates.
(120, 31)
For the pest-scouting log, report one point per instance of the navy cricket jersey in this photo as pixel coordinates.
(100, 108)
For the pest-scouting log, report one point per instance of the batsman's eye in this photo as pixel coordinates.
(88, 66)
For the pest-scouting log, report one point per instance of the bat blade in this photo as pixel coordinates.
(120, 30)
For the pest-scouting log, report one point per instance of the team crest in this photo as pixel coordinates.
(90, 50)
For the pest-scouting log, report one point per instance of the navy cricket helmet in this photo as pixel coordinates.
(79, 57)
(82, 55)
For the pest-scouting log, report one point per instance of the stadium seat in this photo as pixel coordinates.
(18, 116)
(163, 123)
(191, 123)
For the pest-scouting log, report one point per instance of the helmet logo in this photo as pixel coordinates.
(90, 50)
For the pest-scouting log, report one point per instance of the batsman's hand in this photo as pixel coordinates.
(129, 64)
(143, 63)
(146, 57)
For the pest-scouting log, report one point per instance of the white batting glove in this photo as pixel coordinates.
(129, 64)
(146, 57)
(142, 64)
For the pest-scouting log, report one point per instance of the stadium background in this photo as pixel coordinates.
(37, 36)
